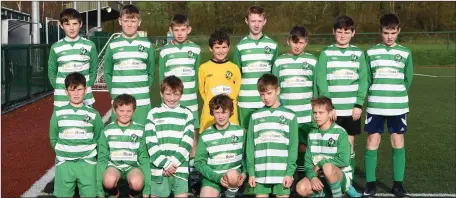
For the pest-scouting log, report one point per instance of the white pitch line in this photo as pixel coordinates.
(418, 195)
(37, 188)
(432, 76)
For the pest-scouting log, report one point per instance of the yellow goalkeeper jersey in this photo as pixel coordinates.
(216, 78)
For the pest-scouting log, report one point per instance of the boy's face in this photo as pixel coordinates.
(129, 24)
(71, 28)
(221, 117)
(180, 32)
(321, 115)
(171, 97)
(297, 48)
(256, 23)
(124, 113)
(270, 96)
(76, 94)
(343, 36)
(389, 36)
(220, 51)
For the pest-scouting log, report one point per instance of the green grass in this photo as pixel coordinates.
(430, 140)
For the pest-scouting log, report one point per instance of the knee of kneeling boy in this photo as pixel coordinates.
(232, 178)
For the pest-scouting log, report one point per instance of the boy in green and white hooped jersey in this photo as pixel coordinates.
(272, 143)
(122, 152)
(220, 152)
(129, 64)
(73, 132)
(254, 55)
(181, 58)
(342, 76)
(169, 139)
(390, 76)
(72, 54)
(327, 161)
(296, 70)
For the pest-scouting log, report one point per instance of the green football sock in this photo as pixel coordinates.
(398, 164)
(370, 162)
(336, 190)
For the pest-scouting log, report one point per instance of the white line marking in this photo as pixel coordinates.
(39, 185)
(37, 188)
(432, 76)
(418, 195)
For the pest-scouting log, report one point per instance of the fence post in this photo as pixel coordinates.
(28, 71)
(7, 74)
(45, 67)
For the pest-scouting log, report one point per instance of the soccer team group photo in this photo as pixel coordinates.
(256, 118)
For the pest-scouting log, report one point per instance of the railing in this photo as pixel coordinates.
(24, 73)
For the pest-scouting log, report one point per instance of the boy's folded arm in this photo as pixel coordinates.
(53, 131)
(52, 68)
(145, 166)
(292, 148)
(250, 150)
(201, 160)
(308, 164)
(93, 66)
(102, 162)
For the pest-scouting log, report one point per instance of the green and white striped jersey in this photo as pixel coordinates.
(182, 61)
(297, 83)
(272, 144)
(124, 148)
(67, 56)
(219, 151)
(129, 67)
(169, 139)
(327, 146)
(74, 132)
(390, 76)
(342, 76)
(254, 58)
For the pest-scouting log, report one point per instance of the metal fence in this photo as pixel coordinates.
(24, 73)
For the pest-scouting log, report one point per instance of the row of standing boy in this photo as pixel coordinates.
(129, 68)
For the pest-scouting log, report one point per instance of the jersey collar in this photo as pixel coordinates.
(68, 39)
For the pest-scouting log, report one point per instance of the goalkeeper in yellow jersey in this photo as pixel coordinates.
(218, 76)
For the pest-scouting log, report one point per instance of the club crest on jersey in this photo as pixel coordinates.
(134, 137)
(234, 139)
(83, 51)
(398, 57)
(354, 57)
(190, 54)
(282, 120)
(140, 48)
(331, 142)
(305, 64)
(267, 49)
(87, 118)
(228, 75)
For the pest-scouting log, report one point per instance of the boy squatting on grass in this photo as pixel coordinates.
(72, 54)
(122, 152)
(218, 76)
(129, 64)
(220, 152)
(169, 139)
(181, 58)
(73, 132)
(327, 160)
(272, 143)
(390, 76)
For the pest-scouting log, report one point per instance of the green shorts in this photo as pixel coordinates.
(275, 189)
(79, 172)
(123, 174)
(212, 184)
(169, 184)
(140, 115)
(244, 116)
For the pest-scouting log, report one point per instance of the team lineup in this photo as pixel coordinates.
(270, 124)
